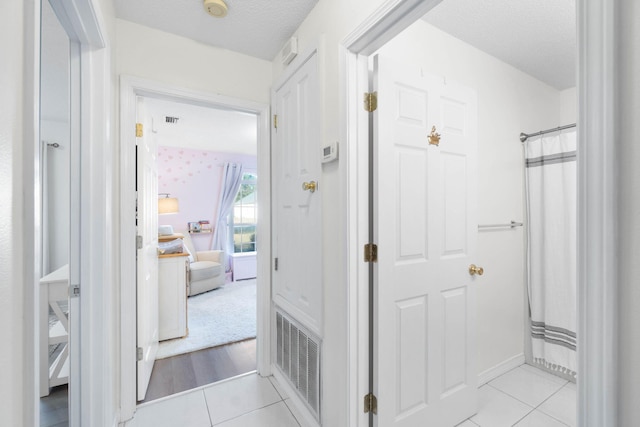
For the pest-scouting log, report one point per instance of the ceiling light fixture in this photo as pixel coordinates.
(216, 8)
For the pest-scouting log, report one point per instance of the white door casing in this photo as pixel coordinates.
(130, 89)
(147, 261)
(297, 282)
(425, 227)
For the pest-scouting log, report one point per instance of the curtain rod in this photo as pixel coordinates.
(524, 136)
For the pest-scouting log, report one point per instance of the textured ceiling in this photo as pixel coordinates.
(258, 28)
(535, 36)
(203, 128)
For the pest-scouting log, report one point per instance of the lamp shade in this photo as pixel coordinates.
(167, 205)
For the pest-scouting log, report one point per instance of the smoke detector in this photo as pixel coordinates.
(217, 8)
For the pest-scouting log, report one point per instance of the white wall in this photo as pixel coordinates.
(178, 61)
(628, 113)
(12, 392)
(568, 106)
(55, 127)
(509, 102)
(195, 177)
(57, 189)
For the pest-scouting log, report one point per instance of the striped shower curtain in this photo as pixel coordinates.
(551, 187)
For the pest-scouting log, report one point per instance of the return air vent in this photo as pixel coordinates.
(298, 358)
(169, 119)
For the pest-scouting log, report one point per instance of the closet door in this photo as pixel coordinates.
(297, 194)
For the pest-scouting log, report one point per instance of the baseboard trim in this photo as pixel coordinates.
(299, 409)
(501, 368)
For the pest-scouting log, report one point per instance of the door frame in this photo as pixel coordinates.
(597, 213)
(84, 23)
(130, 88)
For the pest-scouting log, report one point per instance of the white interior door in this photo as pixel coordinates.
(297, 282)
(147, 240)
(425, 227)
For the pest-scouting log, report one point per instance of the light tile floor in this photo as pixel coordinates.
(249, 400)
(522, 397)
(525, 397)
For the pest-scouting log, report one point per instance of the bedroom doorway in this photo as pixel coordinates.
(132, 89)
(207, 163)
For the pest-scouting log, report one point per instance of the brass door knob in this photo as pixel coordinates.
(311, 186)
(473, 270)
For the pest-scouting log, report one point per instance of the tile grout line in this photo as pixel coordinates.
(549, 415)
(269, 378)
(513, 397)
(291, 412)
(525, 416)
(533, 408)
(521, 401)
(206, 404)
(253, 410)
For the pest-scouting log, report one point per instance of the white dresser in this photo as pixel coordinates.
(172, 295)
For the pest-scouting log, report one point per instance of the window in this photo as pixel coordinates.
(245, 215)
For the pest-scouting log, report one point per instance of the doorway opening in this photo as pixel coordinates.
(207, 164)
(59, 309)
(133, 89)
(450, 69)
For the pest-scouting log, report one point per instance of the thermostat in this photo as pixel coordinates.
(330, 152)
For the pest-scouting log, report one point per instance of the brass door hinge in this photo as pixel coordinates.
(370, 404)
(139, 130)
(275, 121)
(370, 252)
(370, 101)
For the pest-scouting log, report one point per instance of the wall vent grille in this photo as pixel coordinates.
(298, 358)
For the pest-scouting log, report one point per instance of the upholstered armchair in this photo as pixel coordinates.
(206, 268)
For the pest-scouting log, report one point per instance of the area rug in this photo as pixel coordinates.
(220, 316)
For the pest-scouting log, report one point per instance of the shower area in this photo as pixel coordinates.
(551, 246)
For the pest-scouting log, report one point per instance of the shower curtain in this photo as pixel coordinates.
(551, 187)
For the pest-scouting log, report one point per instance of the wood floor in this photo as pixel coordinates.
(187, 371)
(171, 375)
(54, 408)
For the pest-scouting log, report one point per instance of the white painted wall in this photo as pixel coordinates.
(509, 102)
(57, 193)
(629, 214)
(568, 106)
(181, 62)
(55, 128)
(12, 392)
